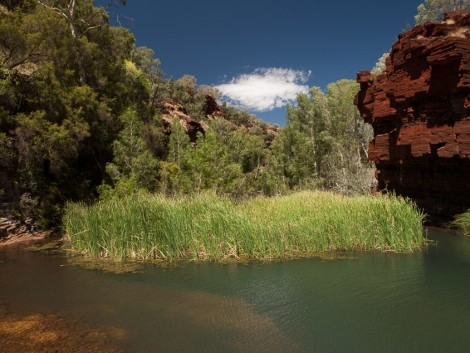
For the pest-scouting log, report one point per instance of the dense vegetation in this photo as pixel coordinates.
(462, 222)
(83, 114)
(204, 227)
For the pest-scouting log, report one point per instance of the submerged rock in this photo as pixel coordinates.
(419, 108)
(40, 332)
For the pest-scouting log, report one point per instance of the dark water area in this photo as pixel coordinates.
(364, 302)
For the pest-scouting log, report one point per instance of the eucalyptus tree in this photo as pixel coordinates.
(324, 143)
(172, 177)
(133, 166)
(80, 19)
(434, 10)
(210, 167)
(299, 151)
(349, 169)
(66, 76)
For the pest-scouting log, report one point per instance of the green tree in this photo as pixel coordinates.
(179, 143)
(62, 89)
(247, 150)
(46, 151)
(133, 167)
(349, 169)
(209, 166)
(173, 178)
(206, 165)
(210, 91)
(434, 10)
(11, 4)
(186, 93)
(81, 17)
(152, 76)
(291, 162)
(324, 143)
(305, 142)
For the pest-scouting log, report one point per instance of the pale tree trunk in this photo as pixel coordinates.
(68, 13)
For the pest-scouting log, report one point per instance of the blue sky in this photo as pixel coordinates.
(261, 53)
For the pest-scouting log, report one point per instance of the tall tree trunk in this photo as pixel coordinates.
(69, 14)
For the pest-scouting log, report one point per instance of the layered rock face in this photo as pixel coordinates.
(212, 111)
(191, 126)
(419, 108)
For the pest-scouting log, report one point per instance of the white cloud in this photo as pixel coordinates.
(266, 88)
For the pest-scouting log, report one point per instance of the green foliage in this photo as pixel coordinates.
(292, 161)
(22, 43)
(133, 163)
(348, 166)
(226, 160)
(151, 227)
(462, 222)
(66, 76)
(185, 92)
(150, 77)
(209, 165)
(324, 143)
(7, 152)
(43, 142)
(249, 152)
(172, 178)
(238, 117)
(82, 109)
(434, 10)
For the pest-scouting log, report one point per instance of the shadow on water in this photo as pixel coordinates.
(369, 302)
(155, 318)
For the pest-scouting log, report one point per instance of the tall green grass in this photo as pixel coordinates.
(462, 222)
(207, 227)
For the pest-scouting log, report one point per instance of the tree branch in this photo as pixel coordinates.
(53, 8)
(90, 28)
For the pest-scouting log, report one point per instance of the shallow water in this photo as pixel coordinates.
(366, 302)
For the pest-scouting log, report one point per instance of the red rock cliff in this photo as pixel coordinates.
(419, 108)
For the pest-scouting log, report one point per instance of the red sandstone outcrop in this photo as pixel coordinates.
(191, 126)
(212, 111)
(419, 108)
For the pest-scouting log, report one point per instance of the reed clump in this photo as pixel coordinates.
(462, 222)
(208, 227)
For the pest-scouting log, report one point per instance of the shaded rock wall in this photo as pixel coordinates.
(419, 108)
(191, 126)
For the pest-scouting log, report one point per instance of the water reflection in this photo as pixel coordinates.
(155, 317)
(371, 302)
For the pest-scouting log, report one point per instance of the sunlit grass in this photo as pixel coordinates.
(207, 227)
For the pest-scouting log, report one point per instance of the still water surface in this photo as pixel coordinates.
(367, 302)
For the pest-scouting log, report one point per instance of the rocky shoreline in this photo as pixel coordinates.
(13, 231)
